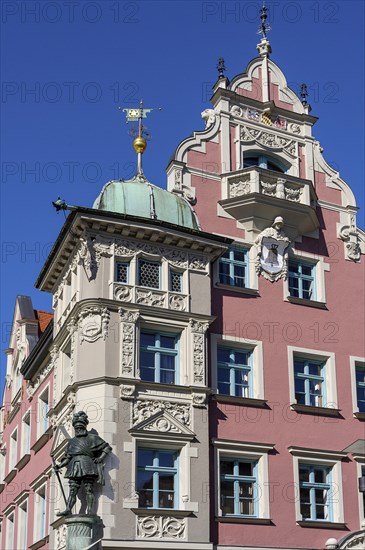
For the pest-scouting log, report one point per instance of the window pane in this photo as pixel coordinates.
(122, 272)
(298, 366)
(306, 270)
(149, 274)
(223, 374)
(224, 388)
(360, 375)
(227, 467)
(166, 460)
(246, 507)
(305, 510)
(227, 488)
(250, 161)
(175, 281)
(168, 342)
(167, 377)
(223, 355)
(319, 475)
(239, 255)
(314, 369)
(245, 469)
(147, 374)
(145, 480)
(145, 457)
(241, 358)
(147, 339)
(304, 475)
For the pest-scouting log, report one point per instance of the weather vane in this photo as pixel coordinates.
(264, 28)
(139, 132)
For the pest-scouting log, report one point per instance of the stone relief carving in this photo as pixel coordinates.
(177, 302)
(198, 329)
(199, 399)
(123, 293)
(209, 116)
(236, 111)
(127, 391)
(93, 323)
(92, 249)
(198, 263)
(238, 188)
(198, 326)
(281, 190)
(144, 409)
(161, 527)
(272, 252)
(295, 128)
(150, 298)
(128, 328)
(350, 235)
(184, 190)
(60, 537)
(268, 139)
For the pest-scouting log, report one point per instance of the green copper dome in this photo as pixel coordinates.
(139, 197)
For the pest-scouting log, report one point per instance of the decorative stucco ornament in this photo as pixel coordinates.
(161, 527)
(350, 235)
(209, 116)
(272, 252)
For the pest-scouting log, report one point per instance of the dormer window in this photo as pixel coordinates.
(263, 162)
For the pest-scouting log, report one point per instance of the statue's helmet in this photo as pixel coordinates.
(278, 221)
(80, 420)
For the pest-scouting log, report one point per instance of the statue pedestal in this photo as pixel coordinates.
(83, 531)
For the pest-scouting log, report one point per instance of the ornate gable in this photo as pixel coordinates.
(162, 422)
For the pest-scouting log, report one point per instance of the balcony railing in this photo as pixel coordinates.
(150, 297)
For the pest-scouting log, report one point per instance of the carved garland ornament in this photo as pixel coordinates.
(161, 527)
(268, 139)
(128, 328)
(144, 409)
(198, 329)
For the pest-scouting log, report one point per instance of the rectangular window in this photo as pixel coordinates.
(148, 274)
(157, 478)
(10, 532)
(233, 267)
(26, 434)
(40, 514)
(309, 383)
(301, 281)
(315, 486)
(360, 387)
(238, 481)
(13, 459)
(43, 408)
(175, 281)
(234, 372)
(363, 494)
(158, 357)
(121, 272)
(22, 526)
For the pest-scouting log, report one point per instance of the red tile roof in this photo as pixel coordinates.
(44, 317)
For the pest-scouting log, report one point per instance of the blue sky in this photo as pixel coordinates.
(68, 66)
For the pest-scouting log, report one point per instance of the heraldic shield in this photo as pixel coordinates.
(272, 255)
(272, 252)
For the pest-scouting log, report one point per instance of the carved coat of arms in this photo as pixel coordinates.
(272, 252)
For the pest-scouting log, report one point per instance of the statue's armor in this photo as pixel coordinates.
(82, 451)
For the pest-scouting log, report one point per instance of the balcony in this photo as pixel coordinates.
(150, 297)
(255, 196)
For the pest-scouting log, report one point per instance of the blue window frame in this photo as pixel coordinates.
(315, 492)
(121, 272)
(148, 274)
(233, 267)
(360, 387)
(238, 487)
(159, 354)
(234, 372)
(309, 383)
(157, 478)
(263, 162)
(302, 280)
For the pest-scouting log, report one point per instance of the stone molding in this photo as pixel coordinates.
(144, 409)
(268, 139)
(128, 319)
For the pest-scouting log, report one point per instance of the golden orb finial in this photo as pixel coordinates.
(139, 144)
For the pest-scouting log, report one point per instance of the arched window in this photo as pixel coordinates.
(252, 159)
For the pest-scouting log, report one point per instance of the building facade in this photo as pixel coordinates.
(213, 333)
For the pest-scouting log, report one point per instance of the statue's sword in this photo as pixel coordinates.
(59, 479)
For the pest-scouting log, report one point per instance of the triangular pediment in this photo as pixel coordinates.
(162, 423)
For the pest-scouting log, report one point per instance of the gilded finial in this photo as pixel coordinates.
(139, 132)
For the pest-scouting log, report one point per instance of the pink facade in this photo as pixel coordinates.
(26, 435)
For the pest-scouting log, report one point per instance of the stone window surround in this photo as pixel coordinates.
(360, 466)
(330, 459)
(251, 275)
(254, 346)
(185, 453)
(328, 359)
(257, 452)
(354, 362)
(319, 267)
